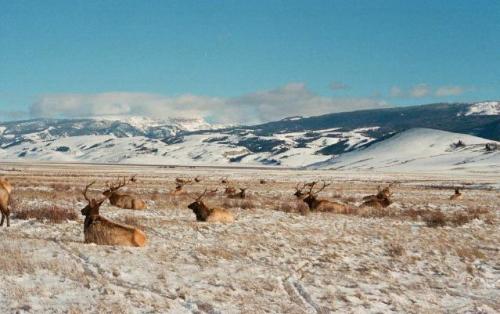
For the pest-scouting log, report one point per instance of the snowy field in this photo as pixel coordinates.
(272, 259)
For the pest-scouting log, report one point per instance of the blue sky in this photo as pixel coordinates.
(248, 61)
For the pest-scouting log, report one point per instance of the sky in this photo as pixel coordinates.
(243, 61)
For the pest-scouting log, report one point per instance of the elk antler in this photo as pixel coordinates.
(87, 198)
(118, 185)
(312, 184)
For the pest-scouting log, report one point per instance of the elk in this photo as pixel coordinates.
(224, 180)
(262, 181)
(204, 213)
(101, 231)
(241, 194)
(299, 191)
(5, 198)
(321, 205)
(197, 179)
(457, 195)
(122, 200)
(179, 188)
(183, 181)
(381, 199)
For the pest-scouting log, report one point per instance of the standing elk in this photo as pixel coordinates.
(101, 231)
(204, 213)
(457, 195)
(381, 199)
(5, 198)
(122, 200)
(321, 205)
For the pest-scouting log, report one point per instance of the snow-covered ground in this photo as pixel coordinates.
(267, 261)
(422, 150)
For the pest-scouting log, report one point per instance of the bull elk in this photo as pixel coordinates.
(299, 190)
(204, 213)
(122, 200)
(101, 231)
(457, 195)
(381, 199)
(179, 186)
(322, 205)
(5, 198)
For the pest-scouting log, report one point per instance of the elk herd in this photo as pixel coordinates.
(102, 231)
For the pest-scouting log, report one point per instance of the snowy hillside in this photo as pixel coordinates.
(202, 148)
(422, 149)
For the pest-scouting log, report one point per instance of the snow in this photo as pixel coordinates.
(484, 108)
(267, 261)
(420, 149)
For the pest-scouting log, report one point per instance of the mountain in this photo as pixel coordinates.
(291, 142)
(422, 149)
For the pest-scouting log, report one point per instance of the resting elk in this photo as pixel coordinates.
(299, 190)
(204, 213)
(321, 205)
(457, 195)
(5, 198)
(381, 199)
(99, 230)
(122, 200)
(241, 194)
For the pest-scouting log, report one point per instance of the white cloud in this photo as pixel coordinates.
(420, 90)
(445, 91)
(288, 100)
(424, 90)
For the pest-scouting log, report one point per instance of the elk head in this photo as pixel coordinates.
(299, 190)
(92, 208)
(224, 180)
(263, 181)
(312, 195)
(385, 192)
(199, 208)
(197, 179)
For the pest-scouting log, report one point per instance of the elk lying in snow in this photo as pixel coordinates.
(262, 181)
(99, 230)
(457, 195)
(241, 194)
(321, 205)
(122, 200)
(5, 190)
(183, 181)
(204, 213)
(224, 180)
(179, 187)
(381, 199)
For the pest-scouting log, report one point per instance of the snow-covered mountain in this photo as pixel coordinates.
(290, 142)
(422, 149)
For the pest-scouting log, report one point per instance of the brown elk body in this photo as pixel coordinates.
(5, 190)
(380, 200)
(322, 205)
(456, 196)
(241, 194)
(123, 200)
(102, 231)
(204, 213)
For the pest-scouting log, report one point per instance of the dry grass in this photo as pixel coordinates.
(52, 214)
(131, 221)
(14, 261)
